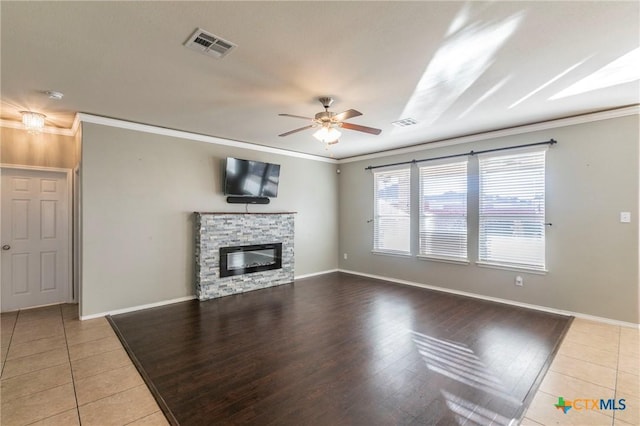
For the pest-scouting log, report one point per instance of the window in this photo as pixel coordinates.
(392, 213)
(443, 210)
(512, 195)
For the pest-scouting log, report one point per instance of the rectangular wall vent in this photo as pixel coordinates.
(209, 44)
(404, 122)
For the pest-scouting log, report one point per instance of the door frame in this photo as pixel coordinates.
(72, 291)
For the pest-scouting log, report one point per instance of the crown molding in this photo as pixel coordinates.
(130, 125)
(511, 131)
(75, 126)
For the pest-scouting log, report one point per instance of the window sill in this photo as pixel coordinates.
(391, 253)
(443, 260)
(511, 268)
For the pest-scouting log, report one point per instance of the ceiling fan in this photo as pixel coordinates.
(328, 122)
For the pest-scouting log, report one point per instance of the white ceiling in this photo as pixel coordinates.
(458, 68)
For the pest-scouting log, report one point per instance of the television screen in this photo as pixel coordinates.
(251, 178)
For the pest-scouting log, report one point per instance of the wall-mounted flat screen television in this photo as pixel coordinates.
(246, 178)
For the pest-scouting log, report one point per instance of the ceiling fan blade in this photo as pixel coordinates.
(295, 116)
(297, 130)
(361, 128)
(345, 115)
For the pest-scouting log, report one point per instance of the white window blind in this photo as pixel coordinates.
(512, 204)
(443, 210)
(392, 211)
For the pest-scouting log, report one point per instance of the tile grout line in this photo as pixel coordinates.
(579, 379)
(572, 341)
(107, 396)
(143, 417)
(583, 379)
(98, 354)
(73, 384)
(36, 370)
(73, 380)
(118, 393)
(13, 329)
(53, 415)
(590, 362)
(615, 391)
(585, 345)
(109, 371)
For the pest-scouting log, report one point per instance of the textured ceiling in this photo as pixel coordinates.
(457, 68)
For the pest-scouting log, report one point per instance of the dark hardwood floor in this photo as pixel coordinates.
(340, 349)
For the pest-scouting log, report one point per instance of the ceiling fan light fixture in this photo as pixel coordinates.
(327, 124)
(327, 134)
(33, 121)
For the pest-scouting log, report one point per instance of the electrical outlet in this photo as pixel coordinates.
(519, 281)
(344, 256)
(625, 217)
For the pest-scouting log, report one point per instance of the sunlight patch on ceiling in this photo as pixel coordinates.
(456, 65)
(556, 78)
(488, 93)
(460, 20)
(622, 70)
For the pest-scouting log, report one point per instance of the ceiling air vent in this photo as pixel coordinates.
(404, 122)
(209, 44)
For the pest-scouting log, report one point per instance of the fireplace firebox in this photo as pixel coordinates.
(238, 260)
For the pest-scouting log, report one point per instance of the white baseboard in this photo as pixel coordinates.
(137, 308)
(37, 307)
(498, 300)
(180, 299)
(398, 281)
(313, 274)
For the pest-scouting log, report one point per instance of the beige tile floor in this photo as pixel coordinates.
(57, 370)
(595, 361)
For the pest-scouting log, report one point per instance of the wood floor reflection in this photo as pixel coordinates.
(340, 349)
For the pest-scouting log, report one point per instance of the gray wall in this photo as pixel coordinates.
(592, 258)
(139, 192)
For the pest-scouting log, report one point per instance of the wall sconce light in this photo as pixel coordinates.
(33, 121)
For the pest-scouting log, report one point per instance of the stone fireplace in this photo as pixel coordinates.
(239, 252)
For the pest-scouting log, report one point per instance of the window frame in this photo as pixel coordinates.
(530, 224)
(453, 173)
(376, 215)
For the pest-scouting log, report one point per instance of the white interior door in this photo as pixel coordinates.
(35, 238)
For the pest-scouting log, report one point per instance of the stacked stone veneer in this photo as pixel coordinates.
(215, 230)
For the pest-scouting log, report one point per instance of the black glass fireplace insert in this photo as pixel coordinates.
(238, 260)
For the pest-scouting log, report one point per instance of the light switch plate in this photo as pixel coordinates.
(625, 217)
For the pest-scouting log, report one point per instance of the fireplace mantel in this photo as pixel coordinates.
(206, 213)
(215, 230)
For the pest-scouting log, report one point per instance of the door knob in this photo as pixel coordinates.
(6, 247)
